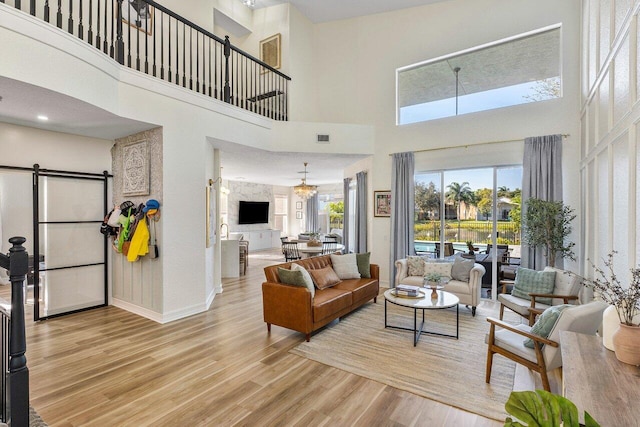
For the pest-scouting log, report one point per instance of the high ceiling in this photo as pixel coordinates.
(332, 10)
(21, 103)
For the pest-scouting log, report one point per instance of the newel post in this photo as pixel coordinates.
(227, 54)
(18, 261)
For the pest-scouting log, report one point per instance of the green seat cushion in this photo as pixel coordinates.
(535, 282)
(545, 323)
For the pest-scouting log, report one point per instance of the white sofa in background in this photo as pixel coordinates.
(468, 292)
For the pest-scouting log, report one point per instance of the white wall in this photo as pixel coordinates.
(23, 146)
(355, 62)
(611, 134)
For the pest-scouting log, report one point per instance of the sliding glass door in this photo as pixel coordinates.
(471, 212)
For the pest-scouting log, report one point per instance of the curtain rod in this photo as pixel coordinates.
(565, 135)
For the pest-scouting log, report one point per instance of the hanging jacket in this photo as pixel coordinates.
(139, 242)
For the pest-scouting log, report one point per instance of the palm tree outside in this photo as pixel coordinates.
(457, 193)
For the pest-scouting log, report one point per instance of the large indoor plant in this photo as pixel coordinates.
(543, 409)
(547, 224)
(626, 300)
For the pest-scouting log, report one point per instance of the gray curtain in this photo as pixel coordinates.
(402, 209)
(345, 218)
(541, 179)
(311, 222)
(361, 213)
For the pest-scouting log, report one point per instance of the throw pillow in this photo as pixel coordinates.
(545, 323)
(290, 277)
(535, 282)
(364, 265)
(345, 266)
(442, 268)
(308, 281)
(324, 277)
(415, 265)
(566, 283)
(461, 269)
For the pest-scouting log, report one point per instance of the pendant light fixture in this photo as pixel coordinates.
(303, 190)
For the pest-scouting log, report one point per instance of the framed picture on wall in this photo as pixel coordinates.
(270, 51)
(299, 215)
(382, 203)
(299, 206)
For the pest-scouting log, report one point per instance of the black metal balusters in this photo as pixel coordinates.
(59, 14)
(70, 20)
(217, 69)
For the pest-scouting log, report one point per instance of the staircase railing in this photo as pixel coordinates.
(14, 381)
(148, 37)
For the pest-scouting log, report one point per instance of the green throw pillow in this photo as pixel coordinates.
(534, 282)
(545, 323)
(306, 277)
(293, 277)
(364, 265)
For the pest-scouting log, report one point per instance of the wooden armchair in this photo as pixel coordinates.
(508, 340)
(566, 290)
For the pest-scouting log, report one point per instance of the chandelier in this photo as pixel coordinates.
(303, 190)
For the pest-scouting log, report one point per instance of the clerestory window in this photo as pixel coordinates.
(517, 70)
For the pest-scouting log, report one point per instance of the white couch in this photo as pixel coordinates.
(467, 292)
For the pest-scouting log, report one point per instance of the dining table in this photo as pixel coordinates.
(309, 251)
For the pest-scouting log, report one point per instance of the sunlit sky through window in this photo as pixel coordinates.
(480, 101)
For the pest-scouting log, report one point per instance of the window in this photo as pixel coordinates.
(521, 69)
(281, 209)
(469, 207)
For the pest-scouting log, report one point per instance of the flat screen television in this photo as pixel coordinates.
(253, 213)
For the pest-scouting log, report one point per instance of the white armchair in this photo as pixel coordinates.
(508, 340)
(468, 292)
(566, 291)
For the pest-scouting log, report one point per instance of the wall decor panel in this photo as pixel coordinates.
(603, 206)
(603, 108)
(621, 88)
(605, 30)
(620, 203)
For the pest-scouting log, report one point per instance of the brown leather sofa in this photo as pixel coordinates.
(293, 308)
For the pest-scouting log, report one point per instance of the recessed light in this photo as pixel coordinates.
(42, 117)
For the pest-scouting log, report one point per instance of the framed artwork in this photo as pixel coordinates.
(299, 206)
(138, 14)
(135, 169)
(382, 203)
(270, 51)
(299, 215)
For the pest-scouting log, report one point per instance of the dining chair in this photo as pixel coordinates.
(508, 340)
(290, 251)
(448, 249)
(243, 246)
(502, 252)
(329, 246)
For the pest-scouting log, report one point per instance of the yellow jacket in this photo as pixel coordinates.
(139, 242)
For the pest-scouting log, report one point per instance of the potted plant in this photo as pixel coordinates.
(471, 248)
(626, 300)
(547, 224)
(541, 408)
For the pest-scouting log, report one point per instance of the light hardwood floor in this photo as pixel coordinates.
(107, 367)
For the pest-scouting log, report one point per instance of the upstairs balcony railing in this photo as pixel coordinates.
(150, 38)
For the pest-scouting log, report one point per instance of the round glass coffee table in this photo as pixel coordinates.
(423, 302)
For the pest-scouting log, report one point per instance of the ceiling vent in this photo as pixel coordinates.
(323, 139)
